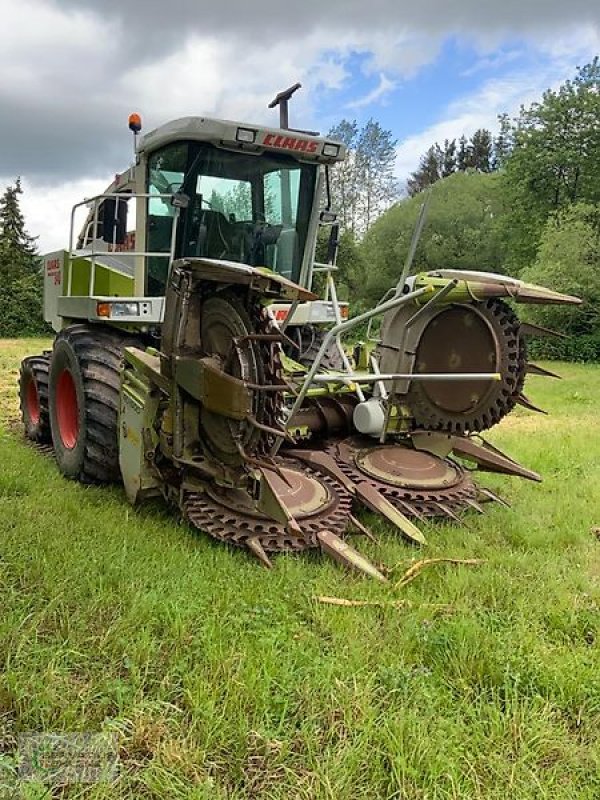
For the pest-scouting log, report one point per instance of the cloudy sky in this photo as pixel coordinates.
(72, 70)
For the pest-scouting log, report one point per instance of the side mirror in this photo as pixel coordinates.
(112, 215)
(333, 243)
(327, 217)
(181, 200)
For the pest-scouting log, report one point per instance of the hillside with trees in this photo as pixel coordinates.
(525, 202)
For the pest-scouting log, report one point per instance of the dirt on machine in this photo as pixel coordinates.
(194, 361)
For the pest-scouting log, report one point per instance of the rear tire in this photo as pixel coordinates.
(84, 389)
(33, 397)
(310, 340)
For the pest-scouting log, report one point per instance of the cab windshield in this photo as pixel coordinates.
(246, 208)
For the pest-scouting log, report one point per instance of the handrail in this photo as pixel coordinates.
(93, 255)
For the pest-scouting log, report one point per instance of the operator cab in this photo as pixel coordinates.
(247, 207)
(202, 188)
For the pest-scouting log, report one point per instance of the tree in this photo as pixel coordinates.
(480, 150)
(463, 158)
(461, 232)
(428, 172)
(17, 247)
(345, 186)
(447, 158)
(364, 184)
(440, 161)
(503, 143)
(20, 276)
(376, 158)
(568, 260)
(554, 161)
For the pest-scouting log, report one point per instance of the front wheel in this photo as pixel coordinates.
(84, 390)
(310, 338)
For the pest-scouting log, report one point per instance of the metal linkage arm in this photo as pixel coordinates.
(411, 376)
(337, 330)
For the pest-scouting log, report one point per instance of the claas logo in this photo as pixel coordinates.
(290, 143)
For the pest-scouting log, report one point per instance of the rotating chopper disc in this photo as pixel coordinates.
(459, 338)
(418, 483)
(315, 501)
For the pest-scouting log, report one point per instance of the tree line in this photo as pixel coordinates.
(525, 201)
(482, 153)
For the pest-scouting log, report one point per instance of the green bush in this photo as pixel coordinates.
(21, 312)
(583, 349)
(461, 232)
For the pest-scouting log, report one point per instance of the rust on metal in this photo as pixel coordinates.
(490, 459)
(407, 468)
(535, 369)
(345, 554)
(314, 502)
(526, 403)
(413, 481)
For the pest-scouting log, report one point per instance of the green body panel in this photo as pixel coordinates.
(108, 282)
(137, 436)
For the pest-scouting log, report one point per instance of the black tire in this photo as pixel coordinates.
(310, 338)
(33, 397)
(84, 391)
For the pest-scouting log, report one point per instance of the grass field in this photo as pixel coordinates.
(223, 680)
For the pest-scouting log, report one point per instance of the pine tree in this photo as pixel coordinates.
(503, 143)
(463, 158)
(20, 276)
(427, 174)
(448, 160)
(481, 151)
(17, 247)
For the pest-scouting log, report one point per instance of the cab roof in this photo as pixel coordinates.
(246, 137)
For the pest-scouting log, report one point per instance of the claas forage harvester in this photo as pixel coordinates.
(193, 360)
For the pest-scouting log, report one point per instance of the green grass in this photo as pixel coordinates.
(223, 680)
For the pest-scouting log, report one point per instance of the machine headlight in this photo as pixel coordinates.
(331, 150)
(245, 135)
(118, 309)
(125, 309)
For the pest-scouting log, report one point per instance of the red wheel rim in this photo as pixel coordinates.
(32, 400)
(67, 410)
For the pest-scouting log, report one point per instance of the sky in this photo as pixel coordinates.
(71, 71)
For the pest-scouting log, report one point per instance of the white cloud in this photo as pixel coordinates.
(492, 62)
(47, 208)
(384, 86)
(498, 95)
(71, 71)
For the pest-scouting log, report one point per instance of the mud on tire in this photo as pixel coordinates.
(84, 385)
